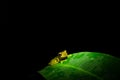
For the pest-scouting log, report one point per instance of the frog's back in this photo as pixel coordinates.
(54, 61)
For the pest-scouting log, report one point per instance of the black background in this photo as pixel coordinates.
(35, 49)
(4, 12)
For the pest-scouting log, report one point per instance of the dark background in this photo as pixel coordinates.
(36, 48)
(4, 12)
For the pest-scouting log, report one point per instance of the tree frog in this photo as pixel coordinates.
(61, 56)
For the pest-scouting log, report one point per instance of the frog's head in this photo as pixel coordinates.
(63, 54)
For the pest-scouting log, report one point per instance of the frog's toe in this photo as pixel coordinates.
(69, 55)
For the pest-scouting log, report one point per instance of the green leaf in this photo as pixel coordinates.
(84, 66)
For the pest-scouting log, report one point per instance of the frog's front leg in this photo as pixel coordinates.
(62, 61)
(69, 55)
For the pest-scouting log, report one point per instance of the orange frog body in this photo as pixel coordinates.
(61, 56)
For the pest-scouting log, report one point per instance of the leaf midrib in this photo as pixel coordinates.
(80, 69)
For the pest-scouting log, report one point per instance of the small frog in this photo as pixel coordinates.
(61, 56)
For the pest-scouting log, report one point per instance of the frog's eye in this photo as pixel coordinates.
(59, 54)
(63, 53)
